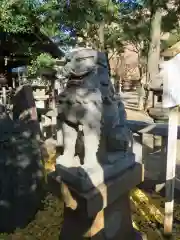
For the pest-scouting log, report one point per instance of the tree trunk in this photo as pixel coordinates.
(154, 50)
(140, 88)
(117, 77)
(122, 70)
(141, 96)
(2, 54)
(140, 68)
(102, 46)
(101, 36)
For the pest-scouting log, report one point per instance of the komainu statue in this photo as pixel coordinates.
(88, 104)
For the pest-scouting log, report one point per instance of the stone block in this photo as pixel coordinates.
(82, 176)
(102, 213)
(113, 222)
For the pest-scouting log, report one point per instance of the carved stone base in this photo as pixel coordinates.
(104, 212)
(85, 177)
(113, 222)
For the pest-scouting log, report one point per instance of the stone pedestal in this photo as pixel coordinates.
(104, 212)
(21, 169)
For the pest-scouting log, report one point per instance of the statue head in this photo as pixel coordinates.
(87, 64)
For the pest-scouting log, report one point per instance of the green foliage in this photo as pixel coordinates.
(136, 23)
(32, 69)
(85, 18)
(28, 16)
(173, 39)
(14, 15)
(43, 61)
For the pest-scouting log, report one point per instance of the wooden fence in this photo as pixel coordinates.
(168, 158)
(144, 128)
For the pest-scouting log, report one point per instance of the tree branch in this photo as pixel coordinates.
(112, 55)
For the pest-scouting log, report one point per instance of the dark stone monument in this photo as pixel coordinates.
(21, 170)
(96, 188)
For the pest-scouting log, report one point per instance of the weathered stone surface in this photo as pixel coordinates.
(6, 126)
(24, 106)
(81, 177)
(21, 169)
(113, 223)
(93, 123)
(102, 213)
(88, 102)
